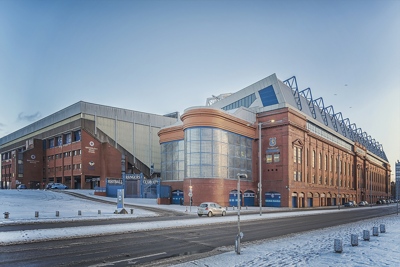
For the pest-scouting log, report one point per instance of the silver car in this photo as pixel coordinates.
(210, 209)
(59, 186)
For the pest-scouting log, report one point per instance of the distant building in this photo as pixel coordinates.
(301, 152)
(81, 146)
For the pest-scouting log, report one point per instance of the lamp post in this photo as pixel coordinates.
(239, 234)
(259, 168)
(338, 188)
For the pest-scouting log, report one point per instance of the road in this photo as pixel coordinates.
(149, 247)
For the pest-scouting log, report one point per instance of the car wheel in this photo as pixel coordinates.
(200, 215)
(223, 213)
(209, 214)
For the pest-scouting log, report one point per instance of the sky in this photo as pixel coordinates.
(165, 56)
(312, 248)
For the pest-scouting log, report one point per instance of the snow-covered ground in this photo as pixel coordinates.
(314, 248)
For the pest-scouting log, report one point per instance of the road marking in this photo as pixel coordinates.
(131, 259)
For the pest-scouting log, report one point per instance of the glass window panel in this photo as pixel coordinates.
(195, 171)
(195, 159)
(206, 134)
(206, 171)
(206, 146)
(276, 157)
(194, 146)
(194, 134)
(206, 159)
(224, 137)
(269, 158)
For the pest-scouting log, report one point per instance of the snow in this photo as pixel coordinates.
(314, 248)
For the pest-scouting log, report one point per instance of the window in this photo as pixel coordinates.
(67, 138)
(320, 160)
(77, 136)
(269, 158)
(277, 157)
(51, 143)
(313, 159)
(172, 160)
(326, 162)
(216, 153)
(59, 141)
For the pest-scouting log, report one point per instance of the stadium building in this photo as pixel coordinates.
(290, 149)
(82, 146)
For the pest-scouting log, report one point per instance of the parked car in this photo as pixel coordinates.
(210, 209)
(59, 186)
(362, 203)
(48, 186)
(22, 186)
(354, 203)
(349, 204)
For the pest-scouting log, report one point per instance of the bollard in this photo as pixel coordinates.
(57, 213)
(375, 231)
(366, 235)
(354, 240)
(79, 212)
(36, 214)
(383, 230)
(338, 246)
(131, 211)
(6, 214)
(99, 212)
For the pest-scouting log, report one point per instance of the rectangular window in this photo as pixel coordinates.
(277, 157)
(294, 154)
(67, 138)
(77, 136)
(51, 143)
(269, 158)
(59, 141)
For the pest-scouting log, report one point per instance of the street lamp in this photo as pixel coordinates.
(338, 188)
(240, 234)
(259, 168)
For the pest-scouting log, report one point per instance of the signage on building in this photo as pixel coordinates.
(91, 148)
(132, 176)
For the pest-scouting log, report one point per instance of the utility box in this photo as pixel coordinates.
(338, 246)
(354, 240)
(366, 235)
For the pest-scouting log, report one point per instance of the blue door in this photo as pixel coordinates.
(177, 197)
(233, 197)
(249, 198)
(294, 202)
(310, 202)
(272, 199)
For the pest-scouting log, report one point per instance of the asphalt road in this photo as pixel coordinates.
(166, 246)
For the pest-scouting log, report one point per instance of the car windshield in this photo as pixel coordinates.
(203, 205)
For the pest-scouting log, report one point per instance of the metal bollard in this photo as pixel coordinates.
(79, 212)
(338, 246)
(57, 213)
(99, 212)
(36, 214)
(366, 235)
(375, 231)
(354, 240)
(6, 214)
(382, 228)
(131, 211)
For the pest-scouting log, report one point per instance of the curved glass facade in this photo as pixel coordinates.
(215, 153)
(172, 161)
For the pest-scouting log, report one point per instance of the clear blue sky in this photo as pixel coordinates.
(165, 56)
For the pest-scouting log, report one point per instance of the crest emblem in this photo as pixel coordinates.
(272, 141)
